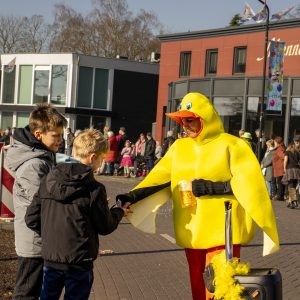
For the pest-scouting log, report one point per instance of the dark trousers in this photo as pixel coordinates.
(77, 284)
(150, 164)
(29, 278)
(280, 188)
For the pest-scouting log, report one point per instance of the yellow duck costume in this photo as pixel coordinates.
(216, 156)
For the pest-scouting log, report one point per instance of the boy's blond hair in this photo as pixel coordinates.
(89, 141)
(45, 117)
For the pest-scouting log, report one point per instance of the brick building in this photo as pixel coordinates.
(227, 65)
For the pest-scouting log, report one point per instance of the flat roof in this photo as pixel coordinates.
(230, 30)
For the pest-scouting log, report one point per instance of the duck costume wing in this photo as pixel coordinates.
(211, 155)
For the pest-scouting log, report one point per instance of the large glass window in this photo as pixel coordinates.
(25, 84)
(59, 84)
(22, 119)
(185, 64)
(230, 111)
(9, 85)
(41, 86)
(295, 118)
(239, 60)
(83, 122)
(100, 89)
(272, 124)
(99, 122)
(6, 120)
(211, 62)
(85, 85)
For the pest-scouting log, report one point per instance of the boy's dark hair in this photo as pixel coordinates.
(45, 117)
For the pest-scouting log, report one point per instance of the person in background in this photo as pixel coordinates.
(241, 132)
(112, 154)
(267, 167)
(72, 205)
(247, 137)
(150, 152)
(5, 137)
(278, 168)
(126, 161)
(291, 177)
(260, 138)
(168, 141)
(77, 132)
(11, 135)
(105, 131)
(158, 151)
(31, 157)
(139, 154)
(121, 138)
(69, 141)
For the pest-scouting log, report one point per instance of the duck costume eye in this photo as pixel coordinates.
(179, 107)
(189, 105)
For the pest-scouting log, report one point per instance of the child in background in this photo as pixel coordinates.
(73, 206)
(126, 161)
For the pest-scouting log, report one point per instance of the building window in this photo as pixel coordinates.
(100, 90)
(185, 64)
(41, 85)
(9, 85)
(6, 120)
(22, 119)
(211, 62)
(59, 84)
(83, 122)
(85, 87)
(240, 54)
(99, 122)
(230, 110)
(25, 84)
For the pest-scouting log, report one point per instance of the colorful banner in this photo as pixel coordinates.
(274, 100)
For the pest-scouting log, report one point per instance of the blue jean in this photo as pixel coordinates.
(77, 284)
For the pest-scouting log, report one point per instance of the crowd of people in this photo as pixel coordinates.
(132, 159)
(280, 165)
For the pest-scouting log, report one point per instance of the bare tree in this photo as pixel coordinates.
(109, 30)
(70, 31)
(35, 35)
(10, 33)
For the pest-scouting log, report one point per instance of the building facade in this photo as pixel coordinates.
(226, 65)
(88, 90)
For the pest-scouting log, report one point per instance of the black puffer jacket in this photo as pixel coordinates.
(70, 210)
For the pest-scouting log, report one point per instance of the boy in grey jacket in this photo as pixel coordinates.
(30, 158)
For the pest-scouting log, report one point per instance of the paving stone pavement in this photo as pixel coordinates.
(144, 266)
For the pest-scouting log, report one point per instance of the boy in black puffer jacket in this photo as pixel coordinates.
(69, 211)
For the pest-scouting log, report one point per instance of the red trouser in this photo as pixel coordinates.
(197, 260)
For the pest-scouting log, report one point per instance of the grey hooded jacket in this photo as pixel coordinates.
(30, 161)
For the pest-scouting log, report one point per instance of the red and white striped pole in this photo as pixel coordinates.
(6, 188)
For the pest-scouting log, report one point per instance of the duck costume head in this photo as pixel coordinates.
(197, 109)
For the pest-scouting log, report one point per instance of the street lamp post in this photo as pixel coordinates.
(261, 116)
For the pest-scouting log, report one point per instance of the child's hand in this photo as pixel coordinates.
(126, 207)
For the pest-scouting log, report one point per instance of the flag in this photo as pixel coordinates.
(261, 16)
(10, 66)
(279, 15)
(274, 100)
(248, 13)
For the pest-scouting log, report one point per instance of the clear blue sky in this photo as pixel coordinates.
(176, 15)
